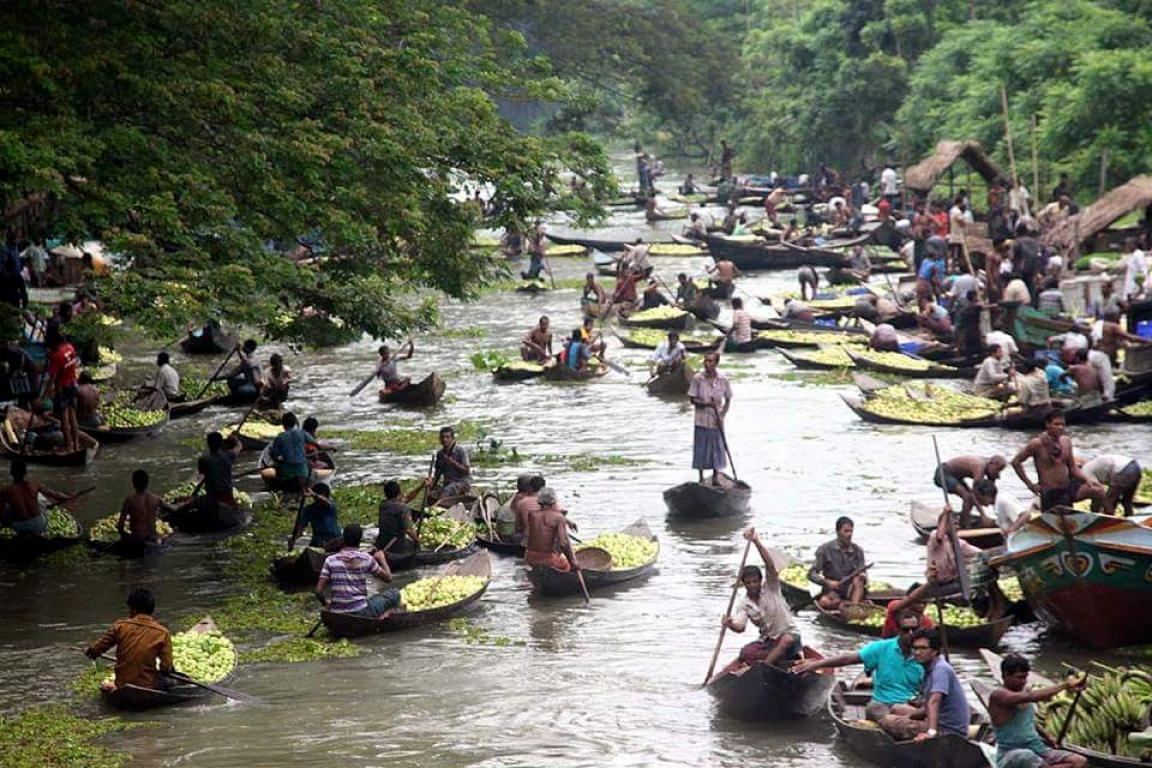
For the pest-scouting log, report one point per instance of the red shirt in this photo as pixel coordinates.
(63, 366)
(891, 630)
(940, 224)
(885, 209)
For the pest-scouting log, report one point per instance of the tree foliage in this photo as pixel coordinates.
(192, 135)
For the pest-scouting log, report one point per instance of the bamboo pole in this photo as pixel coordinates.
(1035, 161)
(1103, 172)
(1008, 135)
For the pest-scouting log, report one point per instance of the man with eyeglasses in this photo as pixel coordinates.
(896, 674)
(943, 708)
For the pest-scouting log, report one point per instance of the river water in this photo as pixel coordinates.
(614, 683)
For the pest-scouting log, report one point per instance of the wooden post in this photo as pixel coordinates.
(1008, 135)
(1103, 172)
(1035, 162)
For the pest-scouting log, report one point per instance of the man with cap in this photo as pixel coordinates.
(347, 573)
(547, 542)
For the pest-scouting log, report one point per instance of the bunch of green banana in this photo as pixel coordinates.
(812, 338)
(122, 416)
(932, 404)
(1113, 705)
(896, 360)
(832, 355)
(657, 313)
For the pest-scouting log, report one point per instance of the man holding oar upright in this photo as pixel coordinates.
(764, 606)
(711, 395)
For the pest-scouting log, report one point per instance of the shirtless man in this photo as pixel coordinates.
(593, 297)
(139, 511)
(548, 542)
(1112, 336)
(974, 468)
(88, 402)
(1061, 481)
(724, 273)
(536, 346)
(19, 505)
(1084, 374)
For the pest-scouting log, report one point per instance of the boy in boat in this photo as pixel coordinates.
(536, 346)
(1061, 481)
(347, 572)
(835, 561)
(143, 646)
(88, 403)
(547, 542)
(62, 376)
(576, 354)
(764, 606)
(896, 675)
(166, 380)
(945, 707)
(289, 451)
(975, 468)
(321, 515)
(396, 533)
(509, 526)
(386, 367)
(276, 383)
(139, 512)
(313, 449)
(1012, 710)
(593, 297)
(20, 505)
(215, 467)
(595, 340)
(452, 466)
(711, 395)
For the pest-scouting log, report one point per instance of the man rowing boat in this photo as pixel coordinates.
(20, 505)
(547, 541)
(386, 369)
(143, 646)
(711, 395)
(452, 466)
(347, 572)
(396, 533)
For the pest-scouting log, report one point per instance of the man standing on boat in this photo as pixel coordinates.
(347, 572)
(945, 707)
(711, 395)
(143, 646)
(451, 466)
(764, 606)
(724, 274)
(1012, 710)
(896, 674)
(1061, 482)
(547, 542)
(951, 476)
(62, 376)
(593, 297)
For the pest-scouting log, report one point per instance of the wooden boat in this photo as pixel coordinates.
(691, 344)
(424, 394)
(224, 517)
(107, 434)
(24, 547)
(667, 215)
(533, 286)
(298, 571)
(755, 255)
(762, 692)
(925, 516)
(347, 625)
(608, 246)
(1009, 420)
(11, 449)
(693, 241)
(846, 707)
(703, 500)
(191, 407)
(773, 338)
(210, 341)
(564, 373)
(805, 362)
(680, 322)
(983, 692)
(127, 548)
(674, 382)
(1086, 575)
(500, 546)
(986, 635)
(868, 385)
(548, 581)
(319, 474)
(520, 371)
(934, 370)
(134, 697)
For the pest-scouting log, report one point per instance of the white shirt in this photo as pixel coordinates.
(990, 374)
(888, 181)
(1103, 365)
(1018, 198)
(961, 284)
(1134, 273)
(167, 380)
(1008, 511)
(665, 355)
(770, 613)
(956, 224)
(1006, 342)
(1073, 341)
(1104, 468)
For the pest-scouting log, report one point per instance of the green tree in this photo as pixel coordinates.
(190, 135)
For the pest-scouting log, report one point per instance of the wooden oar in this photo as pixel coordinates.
(227, 693)
(813, 598)
(1068, 717)
(961, 567)
(583, 586)
(236, 431)
(361, 385)
(724, 440)
(727, 613)
(212, 378)
(424, 504)
(76, 495)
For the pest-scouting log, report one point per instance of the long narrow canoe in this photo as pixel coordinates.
(224, 517)
(865, 361)
(985, 635)
(762, 692)
(11, 449)
(134, 697)
(423, 394)
(348, 625)
(704, 500)
(674, 382)
(24, 547)
(299, 571)
(548, 581)
(925, 516)
(107, 434)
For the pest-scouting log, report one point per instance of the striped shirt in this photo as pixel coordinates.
(741, 327)
(346, 572)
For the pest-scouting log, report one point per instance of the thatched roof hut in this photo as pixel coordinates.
(1085, 225)
(923, 176)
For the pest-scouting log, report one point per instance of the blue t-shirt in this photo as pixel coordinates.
(577, 353)
(322, 518)
(954, 716)
(930, 266)
(895, 677)
(1056, 384)
(288, 446)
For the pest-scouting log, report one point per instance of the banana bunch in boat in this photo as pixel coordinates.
(958, 616)
(565, 250)
(191, 387)
(1143, 408)
(522, 365)
(104, 530)
(1112, 715)
(626, 551)
(838, 303)
(673, 249)
(653, 337)
(937, 405)
(60, 525)
(109, 356)
(796, 575)
(257, 429)
(811, 337)
(834, 355)
(896, 360)
(184, 491)
(657, 313)
(205, 656)
(437, 591)
(446, 533)
(120, 416)
(1010, 586)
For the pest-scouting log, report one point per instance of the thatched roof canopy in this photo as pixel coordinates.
(924, 175)
(1079, 229)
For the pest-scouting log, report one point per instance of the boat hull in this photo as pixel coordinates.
(702, 500)
(765, 693)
